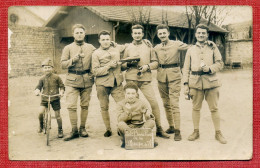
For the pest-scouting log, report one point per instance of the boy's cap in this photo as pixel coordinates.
(47, 62)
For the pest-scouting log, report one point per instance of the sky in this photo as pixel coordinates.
(237, 13)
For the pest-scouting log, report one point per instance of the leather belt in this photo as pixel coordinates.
(168, 65)
(199, 73)
(79, 72)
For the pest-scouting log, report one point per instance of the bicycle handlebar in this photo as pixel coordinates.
(49, 95)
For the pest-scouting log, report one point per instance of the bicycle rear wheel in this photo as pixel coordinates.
(45, 121)
(48, 128)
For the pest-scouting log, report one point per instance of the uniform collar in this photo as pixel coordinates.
(166, 43)
(105, 49)
(137, 43)
(79, 43)
(205, 43)
(48, 75)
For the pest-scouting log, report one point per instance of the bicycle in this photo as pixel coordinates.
(47, 117)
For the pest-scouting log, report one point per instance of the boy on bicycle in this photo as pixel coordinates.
(50, 84)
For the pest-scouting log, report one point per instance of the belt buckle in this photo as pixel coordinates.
(160, 65)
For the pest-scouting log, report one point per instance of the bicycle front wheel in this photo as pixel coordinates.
(48, 128)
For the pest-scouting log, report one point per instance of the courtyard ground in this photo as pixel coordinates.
(235, 107)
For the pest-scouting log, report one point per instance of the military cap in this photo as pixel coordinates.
(47, 62)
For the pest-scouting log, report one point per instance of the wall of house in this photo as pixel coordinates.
(93, 23)
(24, 17)
(239, 50)
(29, 47)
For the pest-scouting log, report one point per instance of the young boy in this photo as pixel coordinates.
(133, 112)
(50, 84)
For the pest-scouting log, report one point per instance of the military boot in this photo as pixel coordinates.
(74, 134)
(83, 132)
(177, 135)
(60, 133)
(108, 133)
(219, 137)
(195, 135)
(155, 144)
(170, 130)
(161, 133)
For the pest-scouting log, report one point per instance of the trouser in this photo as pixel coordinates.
(57, 116)
(72, 99)
(117, 92)
(170, 93)
(212, 97)
(122, 126)
(147, 90)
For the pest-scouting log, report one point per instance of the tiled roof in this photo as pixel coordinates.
(126, 14)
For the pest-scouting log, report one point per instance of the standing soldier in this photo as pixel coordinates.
(107, 69)
(202, 61)
(140, 72)
(76, 57)
(169, 77)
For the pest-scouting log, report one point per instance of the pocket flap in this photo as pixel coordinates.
(71, 78)
(212, 79)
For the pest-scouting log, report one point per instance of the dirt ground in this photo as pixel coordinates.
(235, 107)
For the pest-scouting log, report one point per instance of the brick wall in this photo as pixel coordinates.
(29, 47)
(239, 49)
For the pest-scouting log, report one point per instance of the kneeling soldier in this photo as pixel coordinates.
(133, 112)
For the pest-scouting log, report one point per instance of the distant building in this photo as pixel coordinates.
(239, 44)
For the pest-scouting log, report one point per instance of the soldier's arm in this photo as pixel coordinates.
(97, 70)
(187, 67)
(218, 63)
(122, 115)
(183, 46)
(147, 113)
(66, 59)
(154, 60)
(124, 65)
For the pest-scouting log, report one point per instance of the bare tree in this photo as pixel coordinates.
(142, 15)
(207, 15)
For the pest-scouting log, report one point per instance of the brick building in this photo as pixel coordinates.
(239, 44)
(30, 43)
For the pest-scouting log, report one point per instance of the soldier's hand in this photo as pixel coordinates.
(112, 64)
(81, 55)
(37, 92)
(113, 44)
(148, 43)
(144, 68)
(62, 93)
(75, 58)
(205, 68)
(186, 89)
(133, 62)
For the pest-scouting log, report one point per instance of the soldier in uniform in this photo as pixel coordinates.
(169, 77)
(140, 72)
(203, 60)
(107, 69)
(133, 113)
(76, 58)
